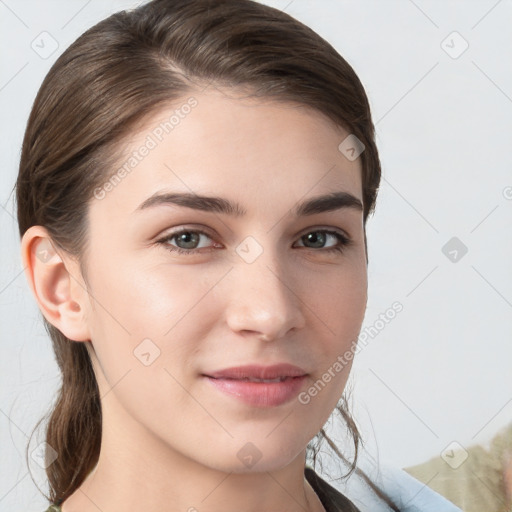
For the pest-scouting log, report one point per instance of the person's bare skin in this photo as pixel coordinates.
(170, 439)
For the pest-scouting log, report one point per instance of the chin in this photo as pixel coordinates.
(258, 456)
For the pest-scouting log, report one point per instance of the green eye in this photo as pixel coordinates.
(315, 239)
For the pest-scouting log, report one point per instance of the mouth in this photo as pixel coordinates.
(258, 372)
(259, 386)
(253, 379)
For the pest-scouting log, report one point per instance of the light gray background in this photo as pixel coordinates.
(441, 370)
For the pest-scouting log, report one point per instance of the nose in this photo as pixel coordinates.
(264, 299)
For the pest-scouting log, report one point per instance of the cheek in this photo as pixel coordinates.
(338, 298)
(144, 300)
(143, 330)
(340, 304)
(338, 313)
(149, 314)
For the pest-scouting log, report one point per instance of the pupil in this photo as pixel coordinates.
(315, 237)
(184, 236)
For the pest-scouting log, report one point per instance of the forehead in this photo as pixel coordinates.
(256, 151)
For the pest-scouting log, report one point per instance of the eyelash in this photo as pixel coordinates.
(344, 241)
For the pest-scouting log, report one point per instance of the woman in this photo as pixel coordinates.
(193, 192)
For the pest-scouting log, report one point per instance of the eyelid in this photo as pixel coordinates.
(185, 228)
(328, 229)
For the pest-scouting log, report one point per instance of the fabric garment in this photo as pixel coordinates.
(406, 493)
(475, 478)
(332, 500)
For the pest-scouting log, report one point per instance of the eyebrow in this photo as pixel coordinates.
(319, 204)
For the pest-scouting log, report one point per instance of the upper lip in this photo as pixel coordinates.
(259, 372)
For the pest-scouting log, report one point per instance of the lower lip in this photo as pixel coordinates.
(260, 394)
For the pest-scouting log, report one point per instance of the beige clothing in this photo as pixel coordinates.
(473, 478)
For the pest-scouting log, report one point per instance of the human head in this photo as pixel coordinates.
(112, 79)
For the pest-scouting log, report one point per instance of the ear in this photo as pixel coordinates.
(57, 284)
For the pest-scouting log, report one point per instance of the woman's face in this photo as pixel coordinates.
(260, 283)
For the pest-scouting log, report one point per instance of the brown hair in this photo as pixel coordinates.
(111, 78)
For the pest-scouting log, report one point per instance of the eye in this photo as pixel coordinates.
(187, 241)
(312, 237)
(186, 237)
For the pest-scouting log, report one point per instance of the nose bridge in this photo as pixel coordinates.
(263, 298)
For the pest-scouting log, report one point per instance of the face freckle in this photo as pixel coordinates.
(261, 297)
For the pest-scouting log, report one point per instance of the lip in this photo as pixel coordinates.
(233, 382)
(259, 372)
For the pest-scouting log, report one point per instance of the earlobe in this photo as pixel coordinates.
(55, 283)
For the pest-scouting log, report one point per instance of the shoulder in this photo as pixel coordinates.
(413, 494)
(471, 477)
(393, 489)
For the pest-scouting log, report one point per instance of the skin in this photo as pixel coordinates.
(170, 439)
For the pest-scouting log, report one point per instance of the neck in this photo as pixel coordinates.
(149, 475)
